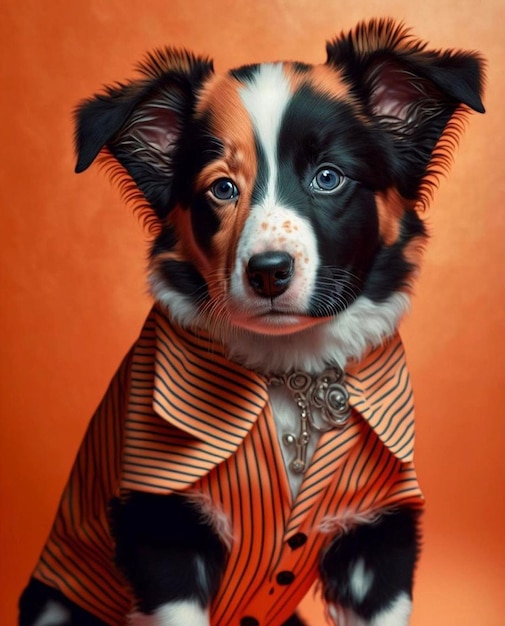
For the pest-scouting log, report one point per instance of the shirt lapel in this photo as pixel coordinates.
(189, 408)
(200, 392)
(380, 390)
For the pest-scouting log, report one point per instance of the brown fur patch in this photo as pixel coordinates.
(325, 80)
(390, 209)
(231, 124)
(322, 78)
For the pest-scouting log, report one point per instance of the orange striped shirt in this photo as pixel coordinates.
(179, 416)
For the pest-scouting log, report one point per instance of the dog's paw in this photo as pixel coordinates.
(180, 613)
(53, 614)
(397, 614)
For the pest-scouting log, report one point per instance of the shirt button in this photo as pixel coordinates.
(285, 578)
(296, 541)
(249, 621)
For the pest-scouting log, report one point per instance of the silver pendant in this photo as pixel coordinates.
(324, 392)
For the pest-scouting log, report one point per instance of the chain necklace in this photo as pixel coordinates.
(324, 392)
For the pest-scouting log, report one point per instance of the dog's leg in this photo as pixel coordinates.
(172, 555)
(367, 573)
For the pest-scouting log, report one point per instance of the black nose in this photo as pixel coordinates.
(270, 273)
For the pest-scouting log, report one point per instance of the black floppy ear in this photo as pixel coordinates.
(140, 123)
(412, 93)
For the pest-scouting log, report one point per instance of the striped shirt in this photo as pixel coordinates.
(178, 416)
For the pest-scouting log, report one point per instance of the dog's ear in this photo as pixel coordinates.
(413, 93)
(141, 122)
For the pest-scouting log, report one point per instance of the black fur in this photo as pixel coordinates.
(390, 545)
(391, 270)
(164, 242)
(166, 550)
(430, 84)
(35, 599)
(186, 279)
(101, 121)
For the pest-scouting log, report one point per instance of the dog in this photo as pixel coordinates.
(259, 435)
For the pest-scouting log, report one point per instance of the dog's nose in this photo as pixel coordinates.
(270, 273)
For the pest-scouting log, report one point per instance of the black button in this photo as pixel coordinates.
(297, 541)
(285, 578)
(249, 621)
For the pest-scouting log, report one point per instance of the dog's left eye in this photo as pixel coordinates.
(327, 180)
(224, 189)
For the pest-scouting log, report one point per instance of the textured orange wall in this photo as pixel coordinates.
(72, 259)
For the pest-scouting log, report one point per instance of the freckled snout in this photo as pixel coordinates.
(270, 273)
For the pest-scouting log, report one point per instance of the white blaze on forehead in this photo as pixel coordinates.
(272, 226)
(265, 99)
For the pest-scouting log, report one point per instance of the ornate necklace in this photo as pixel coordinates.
(324, 392)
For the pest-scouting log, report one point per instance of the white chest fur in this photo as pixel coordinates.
(304, 406)
(287, 422)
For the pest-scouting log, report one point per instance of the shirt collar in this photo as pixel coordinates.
(380, 390)
(199, 391)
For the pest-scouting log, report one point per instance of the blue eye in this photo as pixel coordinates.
(224, 189)
(327, 180)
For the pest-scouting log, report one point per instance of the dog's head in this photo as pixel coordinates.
(286, 195)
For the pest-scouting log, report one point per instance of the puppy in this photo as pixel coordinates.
(259, 435)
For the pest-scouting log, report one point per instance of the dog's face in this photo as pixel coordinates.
(286, 194)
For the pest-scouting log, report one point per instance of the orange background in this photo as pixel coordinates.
(72, 261)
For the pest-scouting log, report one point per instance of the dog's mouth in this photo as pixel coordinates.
(293, 311)
(276, 322)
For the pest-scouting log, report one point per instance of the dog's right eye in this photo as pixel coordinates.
(224, 189)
